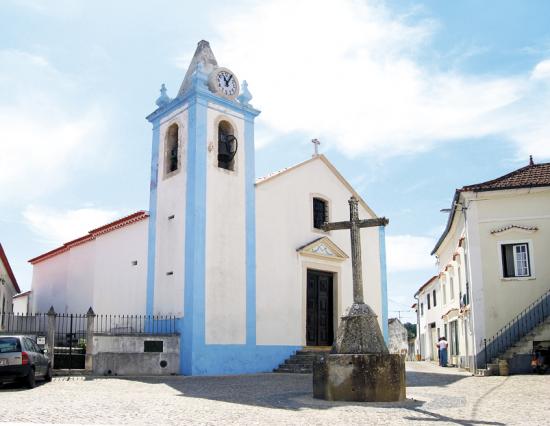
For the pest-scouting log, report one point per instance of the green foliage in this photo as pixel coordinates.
(411, 330)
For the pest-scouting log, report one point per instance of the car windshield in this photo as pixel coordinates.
(9, 344)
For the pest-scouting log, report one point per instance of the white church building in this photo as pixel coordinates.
(242, 263)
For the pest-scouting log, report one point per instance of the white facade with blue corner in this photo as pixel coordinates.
(241, 262)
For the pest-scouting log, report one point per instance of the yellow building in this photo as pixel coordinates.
(494, 270)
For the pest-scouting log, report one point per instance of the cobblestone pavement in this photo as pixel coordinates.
(435, 395)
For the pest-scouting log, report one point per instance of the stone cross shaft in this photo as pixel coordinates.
(354, 225)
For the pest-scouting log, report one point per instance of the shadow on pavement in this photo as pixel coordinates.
(418, 378)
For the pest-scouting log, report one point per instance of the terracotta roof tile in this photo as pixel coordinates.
(93, 234)
(528, 176)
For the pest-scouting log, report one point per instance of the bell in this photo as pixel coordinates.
(227, 148)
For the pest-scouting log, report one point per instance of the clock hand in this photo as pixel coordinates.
(229, 79)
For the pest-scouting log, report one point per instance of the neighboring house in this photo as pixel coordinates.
(8, 287)
(243, 266)
(493, 263)
(430, 325)
(398, 341)
(22, 303)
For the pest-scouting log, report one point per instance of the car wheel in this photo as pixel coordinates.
(48, 376)
(30, 380)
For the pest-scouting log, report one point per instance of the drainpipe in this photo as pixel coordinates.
(469, 287)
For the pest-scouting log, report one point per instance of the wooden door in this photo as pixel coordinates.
(319, 318)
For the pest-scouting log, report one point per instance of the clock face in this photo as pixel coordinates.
(227, 83)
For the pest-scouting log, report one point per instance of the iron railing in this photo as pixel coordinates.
(135, 324)
(516, 329)
(15, 323)
(74, 326)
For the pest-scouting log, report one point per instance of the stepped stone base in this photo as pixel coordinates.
(359, 377)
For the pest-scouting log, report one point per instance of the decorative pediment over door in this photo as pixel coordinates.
(323, 248)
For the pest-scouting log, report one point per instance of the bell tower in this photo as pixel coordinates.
(201, 243)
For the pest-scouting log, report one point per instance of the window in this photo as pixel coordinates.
(515, 260)
(428, 300)
(444, 289)
(452, 288)
(435, 301)
(422, 309)
(227, 146)
(172, 149)
(320, 213)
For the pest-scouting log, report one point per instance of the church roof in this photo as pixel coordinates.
(531, 176)
(320, 157)
(93, 234)
(203, 54)
(4, 260)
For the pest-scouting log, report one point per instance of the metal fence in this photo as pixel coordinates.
(23, 323)
(135, 324)
(74, 326)
(512, 332)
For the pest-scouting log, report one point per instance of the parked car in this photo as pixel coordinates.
(22, 360)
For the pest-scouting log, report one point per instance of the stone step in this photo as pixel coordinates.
(294, 368)
(302, 361)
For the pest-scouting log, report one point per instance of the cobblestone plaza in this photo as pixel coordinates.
(434, 396)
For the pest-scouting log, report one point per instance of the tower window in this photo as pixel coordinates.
(172, 149)
(227, 146)
(320, 213)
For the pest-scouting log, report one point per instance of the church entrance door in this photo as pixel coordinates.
(319, 318)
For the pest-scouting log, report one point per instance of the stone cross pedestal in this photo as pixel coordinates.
(359, 367)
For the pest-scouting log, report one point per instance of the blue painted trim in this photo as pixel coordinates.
(383, 280)
(241, 359)
(250, 190)
(207, 96)
(152, 235)
(195, 226)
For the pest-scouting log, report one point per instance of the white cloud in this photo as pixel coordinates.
(357, 76)
(44, 140)
(409, 253)
(59, 226)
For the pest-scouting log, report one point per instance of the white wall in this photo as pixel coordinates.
(170, 233)
(49, 288)
(98, 274)
(120, 286)
(21, 305)
(225, 286)
(284, 222)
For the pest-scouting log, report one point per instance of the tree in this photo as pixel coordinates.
(411, 330)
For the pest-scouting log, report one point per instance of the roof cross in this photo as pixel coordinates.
(316, 143)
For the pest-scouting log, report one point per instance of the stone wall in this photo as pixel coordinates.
(121, 355)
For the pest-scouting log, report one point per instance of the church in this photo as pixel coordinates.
(244, 264)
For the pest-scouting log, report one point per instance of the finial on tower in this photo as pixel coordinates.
(531, 162)
(316, 144)
(245, 97)
(163, 99)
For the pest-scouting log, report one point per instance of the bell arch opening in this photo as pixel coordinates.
(227, 146)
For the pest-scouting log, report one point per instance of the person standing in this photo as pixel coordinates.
(442, 345)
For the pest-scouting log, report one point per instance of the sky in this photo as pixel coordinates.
(410, 101)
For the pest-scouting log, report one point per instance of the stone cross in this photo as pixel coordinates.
(354, 225)
(316, 143)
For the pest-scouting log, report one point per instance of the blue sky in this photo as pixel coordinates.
(410, 100)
